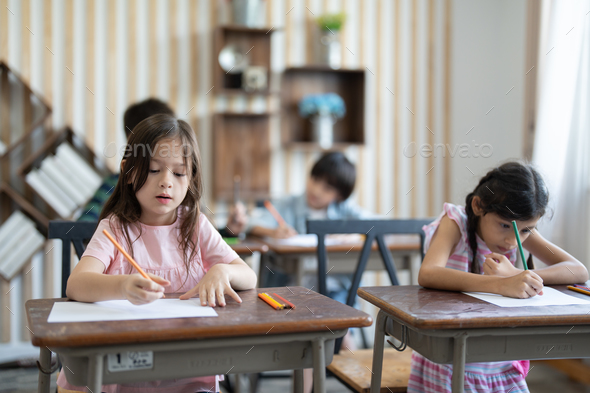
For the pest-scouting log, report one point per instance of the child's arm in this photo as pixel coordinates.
(87, 283)
(434, 274)
(280, 232)
(222, 279)
(563, 268)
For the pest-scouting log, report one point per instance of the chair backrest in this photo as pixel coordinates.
(70, 232)
(373, 230)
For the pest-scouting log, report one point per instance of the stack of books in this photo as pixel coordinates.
(65, 180)
(19, 240)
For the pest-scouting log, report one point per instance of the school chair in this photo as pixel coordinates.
(354, 369)
(70, 232)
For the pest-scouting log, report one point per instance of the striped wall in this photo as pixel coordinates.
(91, 58)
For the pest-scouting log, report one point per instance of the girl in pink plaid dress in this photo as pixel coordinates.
(473, 249)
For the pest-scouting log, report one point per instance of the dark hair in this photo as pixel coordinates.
(123, 203)
(336, 170)
(514, 191)
(140, 111)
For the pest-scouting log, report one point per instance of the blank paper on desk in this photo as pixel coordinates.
(123, 310)
(550, 297)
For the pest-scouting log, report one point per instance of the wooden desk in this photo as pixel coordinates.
(249, 246)
(440, 325)
(244, 338)
(405, 250)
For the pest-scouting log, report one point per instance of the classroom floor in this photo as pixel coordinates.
(541, 379)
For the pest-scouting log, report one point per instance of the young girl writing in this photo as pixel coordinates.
(154, 214)
(473, 248)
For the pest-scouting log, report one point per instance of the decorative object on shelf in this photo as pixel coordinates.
(254, 79)
(248, 12)
(323, 110)
(329, 47)
(232, 60)
(19, 240)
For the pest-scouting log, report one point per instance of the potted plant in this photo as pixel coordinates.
(323, 110)
(329, 48)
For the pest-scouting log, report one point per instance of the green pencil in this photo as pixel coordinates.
(519, 245)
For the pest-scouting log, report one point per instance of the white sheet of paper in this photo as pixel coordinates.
(123, 310)
(311, 240)
(550, 297)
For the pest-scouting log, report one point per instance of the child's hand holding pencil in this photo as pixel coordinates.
(139, 288)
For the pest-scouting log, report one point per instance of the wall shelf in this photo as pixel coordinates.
(301, 81)
(241, 147)
(253, 42)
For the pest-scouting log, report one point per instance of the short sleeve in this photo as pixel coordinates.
(100, 247)
(455, 213)
(213, 248)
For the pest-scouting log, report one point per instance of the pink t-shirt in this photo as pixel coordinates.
(158, 251)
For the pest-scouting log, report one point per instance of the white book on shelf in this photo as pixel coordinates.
(94, 178)
(49, 167)
(16, 219)
(35, 180)
(15, 236)
(57, 191)
(72, 163)
(23, 249)
(84, 187)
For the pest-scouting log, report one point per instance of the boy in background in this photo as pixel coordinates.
(327, 190)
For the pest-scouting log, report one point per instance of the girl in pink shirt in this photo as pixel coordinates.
(154, 214)
(473, 249)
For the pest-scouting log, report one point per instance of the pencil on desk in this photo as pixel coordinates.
(519, 245)
(271, 302)
(131, 260)
(275, 213)
(580, 290)
(288, 303)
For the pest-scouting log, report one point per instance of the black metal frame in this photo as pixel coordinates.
(70, 232)
(373, 230)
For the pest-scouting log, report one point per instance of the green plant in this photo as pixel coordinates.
(331, 22)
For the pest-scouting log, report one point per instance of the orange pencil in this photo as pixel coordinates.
(135, 265)
(288, 303)
(275, 213)
(273, 303)
(578, 290)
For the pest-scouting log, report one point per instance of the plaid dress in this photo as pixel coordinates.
(491, 377)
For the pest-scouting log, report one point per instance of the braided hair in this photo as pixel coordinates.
(514, 191)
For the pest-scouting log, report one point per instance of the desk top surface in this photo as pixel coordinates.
(435, 309)
(393, 242)
(253, 316)
(249, 246)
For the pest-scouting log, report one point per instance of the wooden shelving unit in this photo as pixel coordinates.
(34, 110)
(241, 147)
(254, 42)
(50, 147)
(301, 81)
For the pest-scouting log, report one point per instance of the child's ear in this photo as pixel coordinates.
(476, 205)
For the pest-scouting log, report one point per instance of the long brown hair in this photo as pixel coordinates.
(123, 203)
(514, 191)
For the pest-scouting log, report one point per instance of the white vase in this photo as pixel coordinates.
(323, 130)
(329, 49)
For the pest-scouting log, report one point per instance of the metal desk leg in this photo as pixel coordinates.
(459, 350)
(95, 369)
(319, 366)
(298, 381)
(378, 352)
(45, 363)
